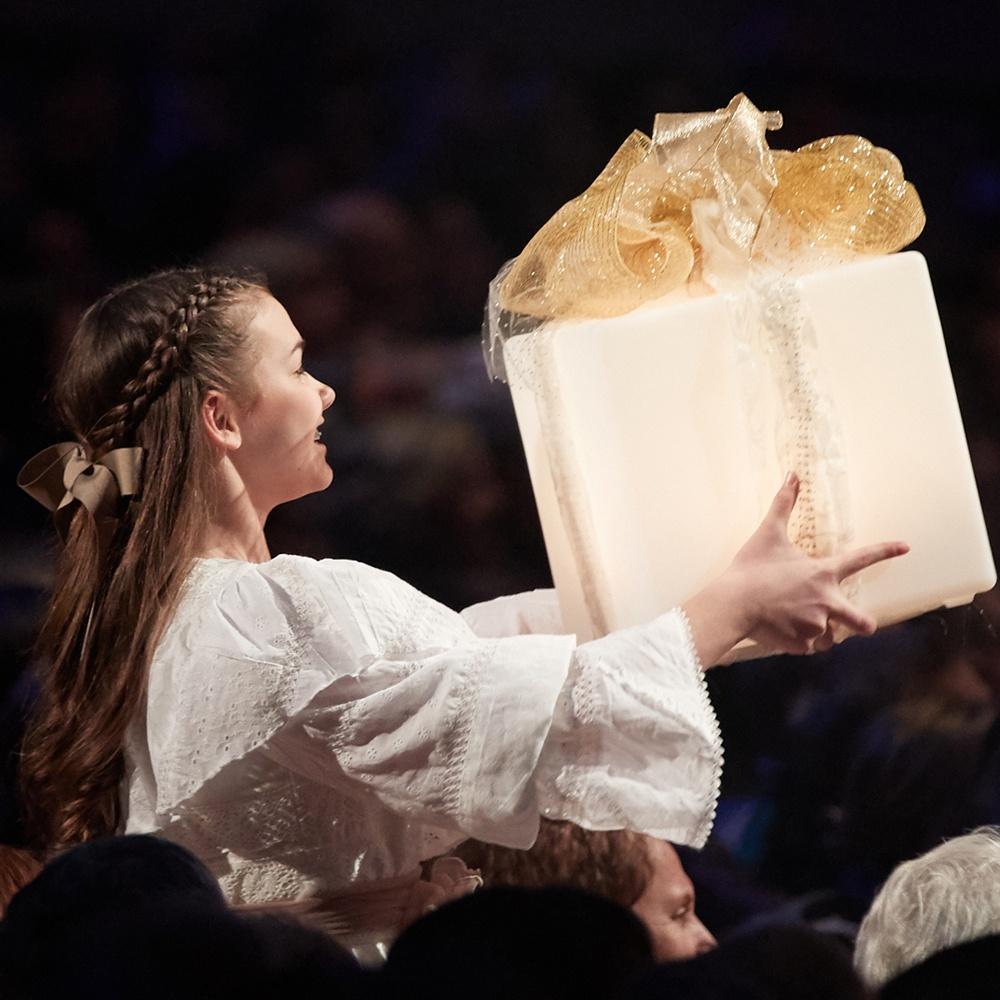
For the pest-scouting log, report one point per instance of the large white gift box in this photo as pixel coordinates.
(667, 444)
(709, 315)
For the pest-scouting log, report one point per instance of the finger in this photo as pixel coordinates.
(784, 500)
(824, 642)
(853, 618)
(812, 628)
(801, 647)
(859, 559)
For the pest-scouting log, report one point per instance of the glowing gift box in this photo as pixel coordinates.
(659, 414)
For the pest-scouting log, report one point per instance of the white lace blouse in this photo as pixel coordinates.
(313, 725)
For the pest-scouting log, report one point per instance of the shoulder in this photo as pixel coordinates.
(329, 600)
(340, 588)
(286, 582)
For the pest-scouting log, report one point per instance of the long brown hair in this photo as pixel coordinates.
(136, 372)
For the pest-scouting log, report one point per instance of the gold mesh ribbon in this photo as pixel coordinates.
(706, 200)
(599, 255)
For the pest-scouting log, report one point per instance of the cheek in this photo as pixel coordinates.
(276, 425)
(670, 942)
(670, 937)
(265, 438)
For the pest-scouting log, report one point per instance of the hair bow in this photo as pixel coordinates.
(65, 475)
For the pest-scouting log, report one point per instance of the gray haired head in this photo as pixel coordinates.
(945, 897)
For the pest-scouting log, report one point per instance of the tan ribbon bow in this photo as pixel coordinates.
(64, 475)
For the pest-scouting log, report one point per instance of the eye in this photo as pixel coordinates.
(681, 913)
(300, 371)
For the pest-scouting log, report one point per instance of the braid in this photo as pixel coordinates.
(166, 355)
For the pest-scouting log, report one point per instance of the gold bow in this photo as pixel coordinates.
(64, 475)
(702, 203)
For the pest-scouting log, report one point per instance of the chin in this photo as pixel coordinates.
(323, 480)
(315, 485)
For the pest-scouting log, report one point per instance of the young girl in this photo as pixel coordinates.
(314, 730)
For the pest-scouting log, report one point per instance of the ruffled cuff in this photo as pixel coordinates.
(634, 742)
(493, 792)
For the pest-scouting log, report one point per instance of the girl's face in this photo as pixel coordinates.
(280, 456)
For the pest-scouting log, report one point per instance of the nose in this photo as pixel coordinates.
(326, 395)
(706, 940)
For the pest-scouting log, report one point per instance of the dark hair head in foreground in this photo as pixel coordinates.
(970, 971)
(506, 942)
(776, 963)
(110, 874)
(183, 950)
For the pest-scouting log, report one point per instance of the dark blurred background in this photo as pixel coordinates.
(379, 161)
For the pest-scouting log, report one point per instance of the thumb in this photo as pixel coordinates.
(784, 501)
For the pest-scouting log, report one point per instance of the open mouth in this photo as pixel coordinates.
(318, 436)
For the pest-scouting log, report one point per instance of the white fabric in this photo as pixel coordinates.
(310, 725)
(533, 613)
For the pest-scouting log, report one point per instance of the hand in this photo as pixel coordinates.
(794, 602)
(778, 596)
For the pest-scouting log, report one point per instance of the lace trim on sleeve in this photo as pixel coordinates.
(462, 709)
(718, 748)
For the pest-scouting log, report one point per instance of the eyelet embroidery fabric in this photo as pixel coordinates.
(315, 724)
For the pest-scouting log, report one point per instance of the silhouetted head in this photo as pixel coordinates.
(968, 971)
(514, 942)
(776, 963)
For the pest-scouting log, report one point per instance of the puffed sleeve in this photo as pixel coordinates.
(535, 612)
(444, 726)
(394, 693)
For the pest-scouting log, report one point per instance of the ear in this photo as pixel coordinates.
(220, 418)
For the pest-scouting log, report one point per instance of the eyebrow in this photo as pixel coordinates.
(299, 346)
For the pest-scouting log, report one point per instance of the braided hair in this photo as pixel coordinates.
(135, 374)
(168, 355)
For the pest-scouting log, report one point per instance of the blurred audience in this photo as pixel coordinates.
(915, 770)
